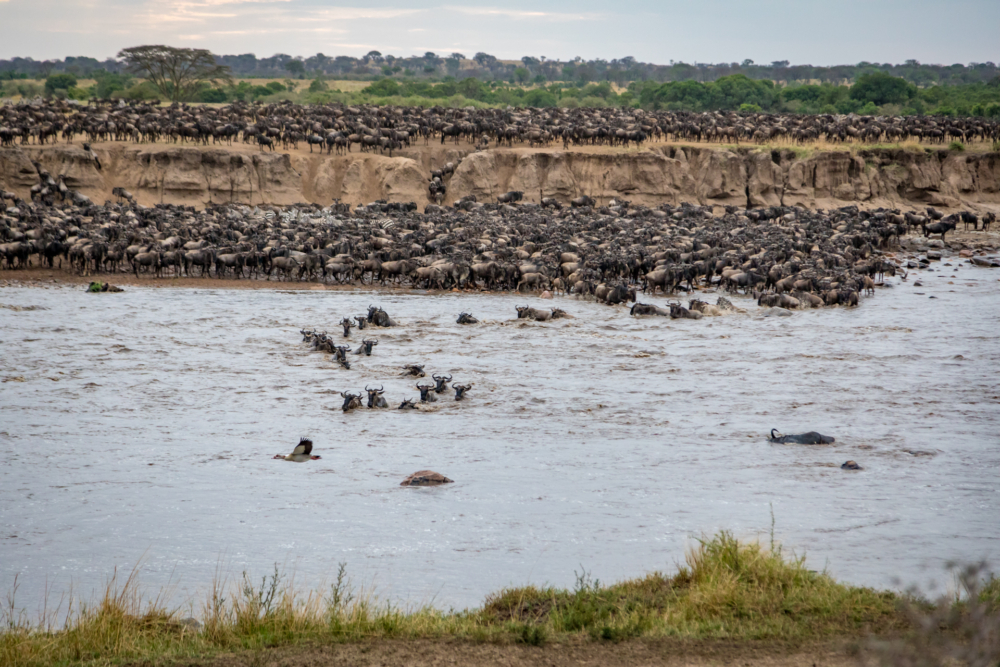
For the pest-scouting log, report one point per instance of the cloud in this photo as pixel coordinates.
(524, 14)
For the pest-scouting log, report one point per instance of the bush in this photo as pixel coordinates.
(59, 82)
(213, 96)
(956, 146)
(750, 108)
(318, 85)
(539, 97)
(142, 91)
(881, 88)
(276, 87)
(75, 93)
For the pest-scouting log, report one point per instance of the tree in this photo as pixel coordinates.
(179, 74)
(881, 88)
(59, 82)
(296, 67)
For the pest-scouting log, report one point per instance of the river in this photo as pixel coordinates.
(140, 427)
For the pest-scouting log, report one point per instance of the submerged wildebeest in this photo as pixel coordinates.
(851, 465)
(407, 404)
(351, 401)
(425, 393)
(375, 399)
(526, 312)
(379, 317)
(639, 309)
(347, 324)
(465, 318)
(810, 438)
(460, 390)
(441, 383)
(414, 370)
(366, 347)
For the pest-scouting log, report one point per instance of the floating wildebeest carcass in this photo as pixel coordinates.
(426, 478)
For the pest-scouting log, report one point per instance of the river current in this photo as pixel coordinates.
(139, 427)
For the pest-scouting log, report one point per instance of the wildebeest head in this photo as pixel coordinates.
(375, 399)
(441, 383)
(367, 345)
(347, 324)
(414, 370)
(351, 401)
(425, 393)
(407, 404)
(362, 322)
(460, 390)
(465, 318)
(522, 311)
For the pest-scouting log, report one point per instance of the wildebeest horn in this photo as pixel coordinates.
(381, 389)
(366, 388)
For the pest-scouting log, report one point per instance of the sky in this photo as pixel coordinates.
(658, 31)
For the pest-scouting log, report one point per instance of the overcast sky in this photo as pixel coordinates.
(818, 33)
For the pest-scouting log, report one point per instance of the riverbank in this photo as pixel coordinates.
(824, 176)
(731, 601)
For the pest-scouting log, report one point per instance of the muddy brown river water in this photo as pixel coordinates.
(141, 426)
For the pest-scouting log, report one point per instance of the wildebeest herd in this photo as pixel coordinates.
(787, 256)
(377, 317)
(336, 127)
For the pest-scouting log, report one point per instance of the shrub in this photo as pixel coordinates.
(59, 82)
(318, 85)
(750, 108)
(956, 146)
(213, 95)
(881, 88)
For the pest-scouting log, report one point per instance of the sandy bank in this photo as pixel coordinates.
(656, 174)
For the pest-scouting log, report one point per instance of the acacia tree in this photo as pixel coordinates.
(177, 73)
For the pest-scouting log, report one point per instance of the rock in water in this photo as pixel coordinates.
(426, 478)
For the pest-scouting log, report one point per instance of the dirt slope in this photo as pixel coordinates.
(656, 174)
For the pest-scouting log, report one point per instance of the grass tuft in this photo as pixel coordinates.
(727, 589)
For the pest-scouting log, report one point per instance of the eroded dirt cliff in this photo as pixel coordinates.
(659, 174)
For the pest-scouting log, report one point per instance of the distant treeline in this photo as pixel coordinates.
(484, 67)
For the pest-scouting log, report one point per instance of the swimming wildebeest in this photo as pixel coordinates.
(460, 390)
(347, 324)
(465, 318)
(647, 309)
(351, 401)
(379, 317)
(362, 322)
(425, 393)
(677, 311)
(851, 465)
(441, 383)
(375, 399)
(340, 355)
(526, 312)
(407, 404)
(414, 370)
(366, 347)
(810, 438)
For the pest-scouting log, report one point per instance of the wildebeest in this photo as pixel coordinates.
(425, 393)
(347, 324)
(351, 401)
(379, 317)
(942, 228)
(375, 398)
(677, 311)
(340, 355)
(366, 347)
(441, 383)
(460, 390)
(639, 309)
(362, 322)
(407, 404)
(414, 370)
(851, 465)
(465, 318)
(810, 438)
(582, 201)
(510, 197)
(526, 312)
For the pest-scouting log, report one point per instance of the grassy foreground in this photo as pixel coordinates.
(728, 590)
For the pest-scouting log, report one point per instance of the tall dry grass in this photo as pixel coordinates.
(726, 589)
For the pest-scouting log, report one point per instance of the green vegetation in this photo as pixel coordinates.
(727, 590)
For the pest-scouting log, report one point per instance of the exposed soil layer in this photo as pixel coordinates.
(452, 652)
(657, 174)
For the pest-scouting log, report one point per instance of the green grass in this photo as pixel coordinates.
(727, 589)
